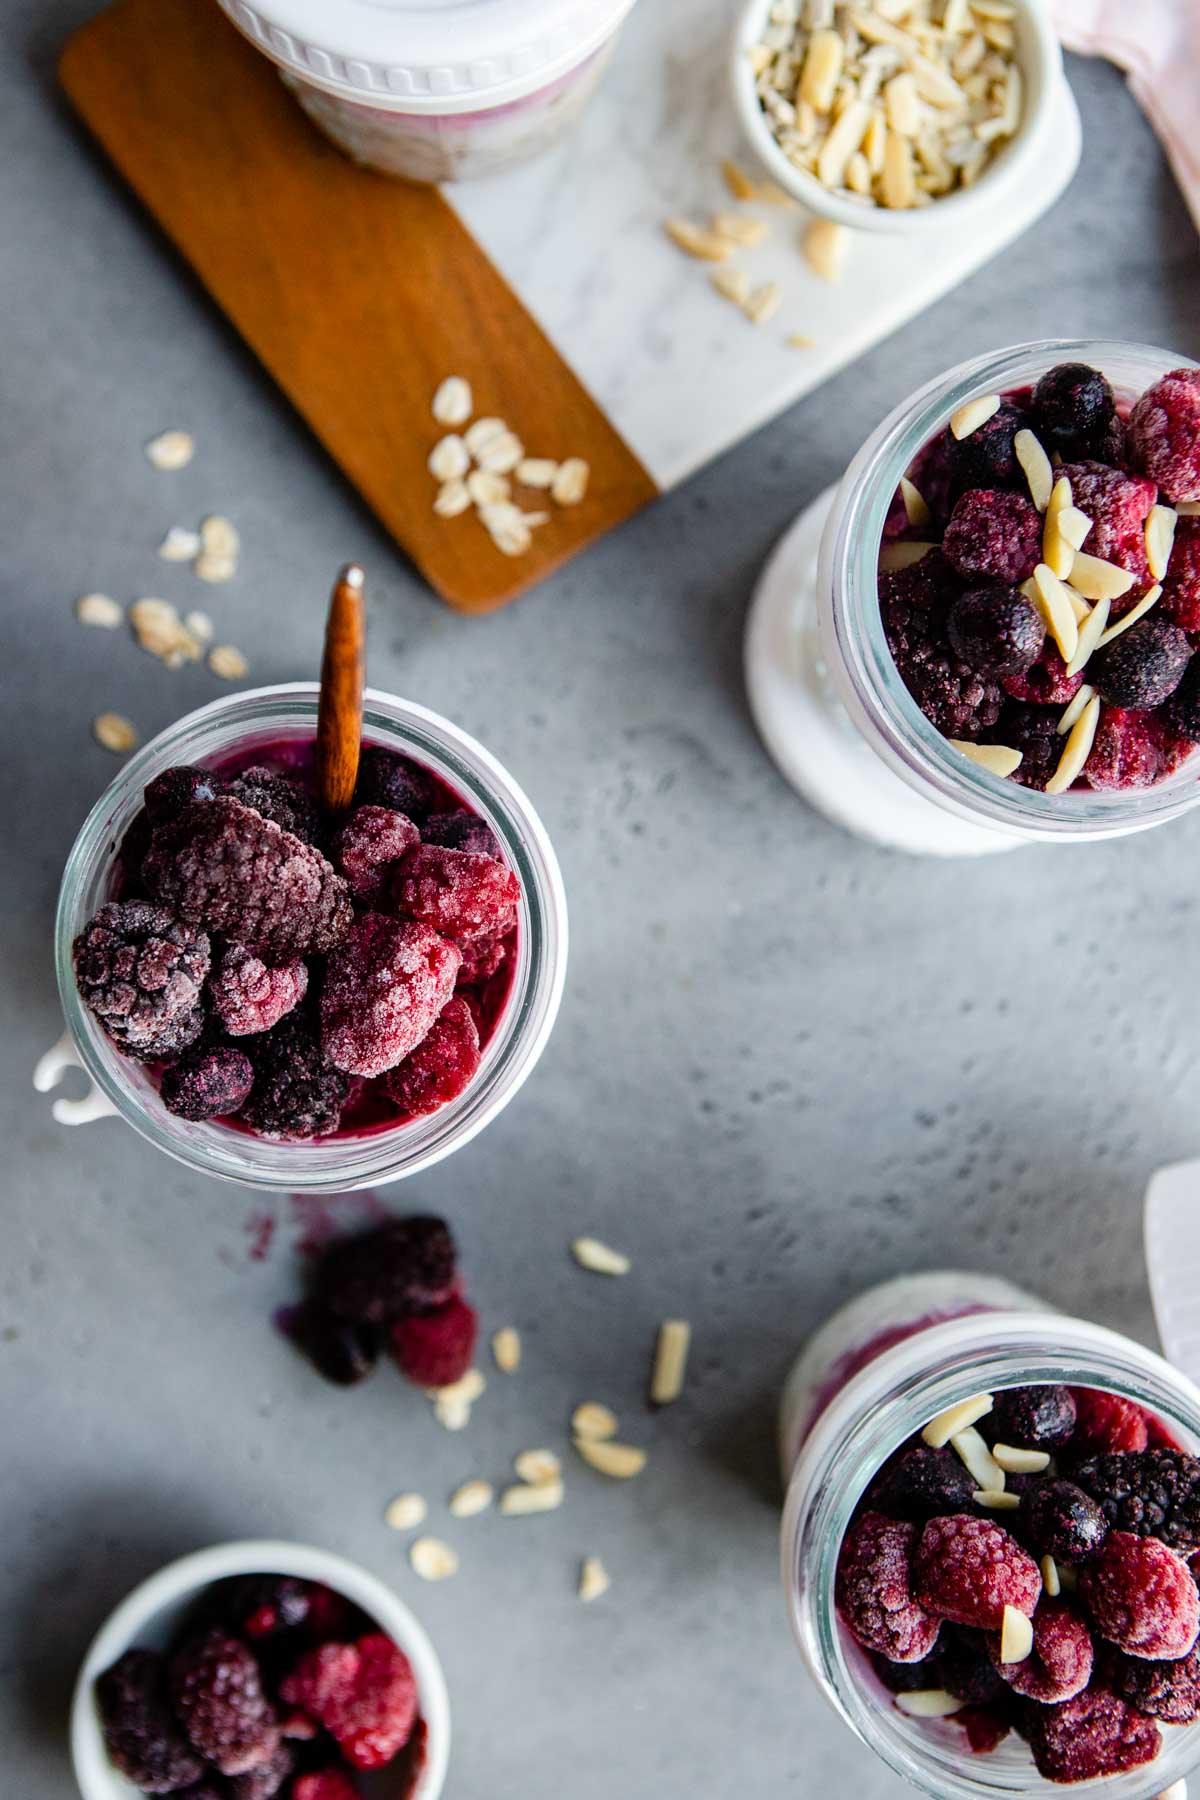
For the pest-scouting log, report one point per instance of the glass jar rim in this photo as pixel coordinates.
(335, 1164)
(879, 701)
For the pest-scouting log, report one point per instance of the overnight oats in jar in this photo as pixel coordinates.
(991, 1515)
(432, 91)
(288, 1000)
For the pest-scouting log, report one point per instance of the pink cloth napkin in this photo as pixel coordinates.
(1158, 43)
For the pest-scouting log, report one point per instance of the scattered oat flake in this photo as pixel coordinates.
(501, 454)
(215, 568)
(526, 1498)
(593, 1420)
(99, 609)
(449, 459)
(471, 1498)
(405, 1512)
(593, 1578)
(591, 1254)
(468, 1387)
(200, 626)
(537, 1467)
(160, 630)
(452, 498)
(511, 540)
(180, 545)
(432, 1559)
(506, 1349)
(620, 1461)
(453, 402)
(115, 732)
(170, 450)
(487, 488)
(219, 537)
(571, 482)
(454, 1415)
(670, 1361)
(481, 433)
(227, 662)
(536, 471)
(732, 284)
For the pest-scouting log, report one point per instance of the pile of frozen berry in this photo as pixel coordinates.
(1026, 1564)
(300, 978)
(271, 1686)
(396, 1285)
(1039, 581)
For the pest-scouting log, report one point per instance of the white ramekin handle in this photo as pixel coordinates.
(50, 1070)
(1172, 1231)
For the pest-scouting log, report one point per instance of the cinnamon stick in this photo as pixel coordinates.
(339, 710)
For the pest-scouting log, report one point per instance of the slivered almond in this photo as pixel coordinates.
(1090, 633)
(1016, 1636)
(1074, 526)
(971, 1450)
(467, 1389)
(1050, 1582)
(902, 556)
(998, 759)
(1188, 509)
(180, 545)
(592, 1420)
(763, 303)
(1074, 709)
(1077, 749)
(732, 284)
(929, 1703)
(956, 1419)
(1057, 553)
(898, 185)
(696, 240)
(570, 484)
(902, 105)
(537, 1467)
(740, 230)
(842, 142)
(1016, 1461)
(1160, 536)
(432, 1560)
(740, 185)
(471, 1498)
(670, 1361)
(599, 1258)
(822, 68)
(516, 1502)
(916, 508)
(973, 414)
(593, 1578)
(996, 1499)
(1135, 613)
(1098, 580)
(1054, 604)
(1037, 467)
(826, 244)
(620, 1461)
(506, 1349)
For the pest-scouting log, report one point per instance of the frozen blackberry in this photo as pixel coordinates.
(986, 457)
(921, 1483)
(141, 1737)
(1033, 730)
(386, 778)
(296, 1093)
(1153, 1493)
(1035, 1418)
(141, 971)
(1061, 1520)
(222, 865)
(960, 703)
(343, 1353)
(217, 1693)
(208, 1084)
(250, 996)
(462, 830)
(402, 1266)
(1074, 409)
(994, 535)
(170, 792)
(1183, 708)
(995, 630)
(1169, 1691)
(1143, 667)
(285, 802)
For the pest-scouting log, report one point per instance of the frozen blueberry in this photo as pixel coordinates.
(174, 789)
(996, 631)
(1073, 409)
(986, 458)
(1061, 1521)
(342, 1352)
(386, 778)
(1035, 1418)
(1143, 667)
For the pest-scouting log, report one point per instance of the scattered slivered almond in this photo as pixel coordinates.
(670, 1361)
(471, 1498)
(956, 1419)
(453, 403)
(1037, 467)
(699, 240)
(972, 414)
(570, 482)
(740, 185)
(432, 1559)
(599, 1258)
(997, 759)
(916, 507)
(511, 540)
(506, 1349)
(1160, 537)
(113, 731)
(1135, 613)
(1090, 633)
(620, 1461)
(228, 662)
(200, 626)
(902, 555)
(1098, 580)
(800, 340)
(100, 610)
(405, 1512)
(545, 1496)
(1057, 553)
(929, 1703)
(1077, 749)
(1050, 1581)
(537, 1467)
(1074, 526)
(1016, 1635)
(971, 1450)
(996, 1499)
(732, 284)
(593, 1578)
(594, 1421)
(452, 1415)
(1054, 604)
(740, 229)
(170, 450)
(1017, 1461)
(180, 545)
(1074, 709)
(826, 245)
(763, 303)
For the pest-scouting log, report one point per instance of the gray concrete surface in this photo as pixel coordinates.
(787, 1064)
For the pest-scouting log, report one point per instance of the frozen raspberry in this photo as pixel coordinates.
(456, 892)
(1181, 584)
(995, 631)
(1107, 1422)
(261, 1606)
(1143, 667)
(1124, 753)
(222, 865)
(1061, 1520)
(207, 1084)
(986, 458)
(920, 1484)
(388, 779)
(1074, 409)
(441, 1066)
(170, 792)
(279, 799)
(434, 1349)
(141, 1737)
(248, 995)
(296, 1093)
(1033, 730)
(1060, 1664)
(462, 830)
(324, 1784)
(141, 971)
(364, 1694)
(1169, 1691)
(994, 535)
(218, 1697)
(1035, 1418)
(343, 1353)
(874, 1590)
(384, 987)
(264, 1782)
(1118, 506)
(1164, 434)
(1046, 683)
(1141, 1596)
(914, 605)
(1095, 1734)
(371, 838)
(405, 1265)
(969, 1570)
(1154, 1493)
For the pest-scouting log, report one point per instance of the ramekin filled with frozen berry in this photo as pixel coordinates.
(296, 1000)
(1010, 599)
(988, 1543)
(261, 1669)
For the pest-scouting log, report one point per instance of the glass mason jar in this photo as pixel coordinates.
(266, 717)
(877, 1372)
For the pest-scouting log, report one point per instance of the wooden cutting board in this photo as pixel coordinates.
(358, 293)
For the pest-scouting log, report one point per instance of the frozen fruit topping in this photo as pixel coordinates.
(222, 865)
(1097, 1733)
(1125, 751)
(343, 1353)
(1118, 506)
(371, 838)
(1074, 409)
(969, 1570)
(874, 1590)
(1060, 1664)
(142, 1737)
(364, 1694)
(386, 778)
(1107, 1422)
(1141, 1596)
(954, 698)
(434, 1349)
(141, 971)
(1143, 666)
(921, 1483)
(1033, 730)
(324, 1784)
(986, 456)
(1150, 1492)
(1046, 683)
(176, 788)
(264, 1782)
(207, 1084)
(457, 892)
(995, 631)
(994, 535)
(440, 1067)
(402, 1266)
(1164, 434)
(384, 987)
(1035, 1418)
(462, 830)
(1181, 583)
(482, 957)
(1059, 1519)
(296, 1093)
(218, 1697)
(249, 995)
(1182, 715)
(986, 1730)
(285, 802)
(1169, 1691)
(261, 1606)
(965, 1669)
